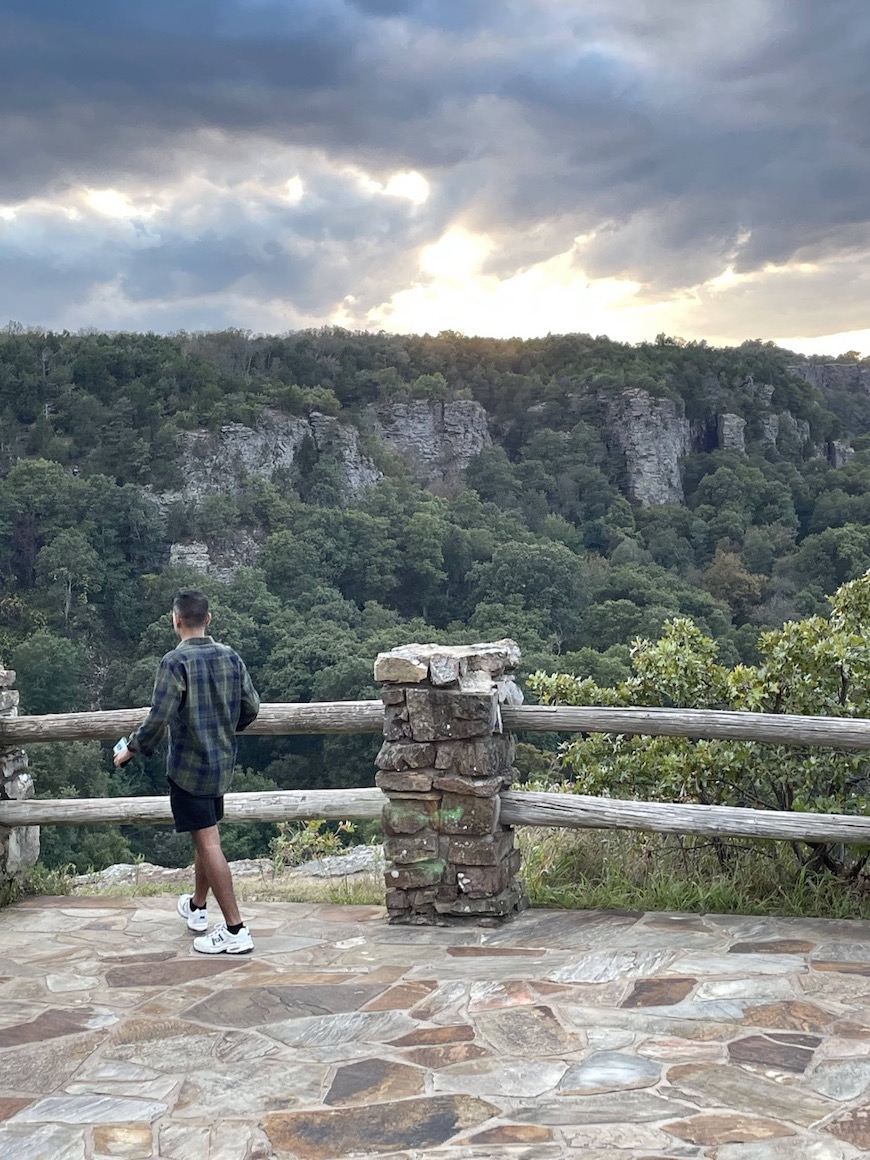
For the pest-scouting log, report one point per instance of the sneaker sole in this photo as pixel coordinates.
(246, 951)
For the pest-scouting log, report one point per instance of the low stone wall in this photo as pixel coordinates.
(443, 765)
(19, 847)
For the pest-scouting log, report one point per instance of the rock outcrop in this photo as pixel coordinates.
(358, 862)
(654, 436)
(770, 430)
(839, 453)
(342, 441)
(850, 378)
(193, 554)
(213, 462)
(436, 440)
(835, 376)
(729, 433)
(239, 550)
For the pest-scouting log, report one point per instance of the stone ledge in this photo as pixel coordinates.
(472, 667)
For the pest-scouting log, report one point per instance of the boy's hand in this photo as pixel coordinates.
(123, 757)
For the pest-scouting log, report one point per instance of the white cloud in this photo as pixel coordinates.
(114, 204)
(831, 344)
(410, 185)
(295, 189)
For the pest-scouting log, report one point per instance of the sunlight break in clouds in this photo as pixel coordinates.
(456, 257)
(411, 186)
(113, 204)
(551, 296)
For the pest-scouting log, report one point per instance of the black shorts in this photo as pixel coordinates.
(193, 813)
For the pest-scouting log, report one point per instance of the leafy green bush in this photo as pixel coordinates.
(816, 666)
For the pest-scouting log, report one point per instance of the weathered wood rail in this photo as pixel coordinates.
(274, 806)
(285, 719)
(368, 716)
(517, 808)
(561, 810)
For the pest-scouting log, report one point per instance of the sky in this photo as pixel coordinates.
(495, 167)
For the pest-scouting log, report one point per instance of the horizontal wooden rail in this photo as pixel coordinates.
(278, 806)
(575, 811)
(710, 724)
(564, 810)
(311, 717)
(367, 717)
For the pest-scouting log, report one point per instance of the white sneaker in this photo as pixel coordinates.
(196, 919)
(222, 942)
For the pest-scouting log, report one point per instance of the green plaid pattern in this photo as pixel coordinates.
(203, 695)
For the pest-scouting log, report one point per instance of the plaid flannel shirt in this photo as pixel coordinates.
(203, 695)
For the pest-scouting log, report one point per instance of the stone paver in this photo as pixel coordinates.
(561, 1034)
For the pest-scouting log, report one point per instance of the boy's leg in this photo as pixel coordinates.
(212, 868)
(200, 878)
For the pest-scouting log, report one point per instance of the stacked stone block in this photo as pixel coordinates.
(443, 765)
(19, 847)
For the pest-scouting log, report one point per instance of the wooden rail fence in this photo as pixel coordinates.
(368, 717)
(517, 808)
(562, 810)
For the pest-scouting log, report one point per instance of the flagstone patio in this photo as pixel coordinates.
(561, 1034)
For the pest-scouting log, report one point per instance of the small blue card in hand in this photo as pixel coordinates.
(120, 746)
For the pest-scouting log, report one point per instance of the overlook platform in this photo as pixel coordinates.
(562, 1034)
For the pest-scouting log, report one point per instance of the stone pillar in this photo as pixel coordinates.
(443, 765)
(19, 847)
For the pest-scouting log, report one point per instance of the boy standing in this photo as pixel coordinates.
(203, 695)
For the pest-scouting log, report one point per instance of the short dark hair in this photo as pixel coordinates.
(191, 608)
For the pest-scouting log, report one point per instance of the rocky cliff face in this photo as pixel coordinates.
(332, 437)
(220, 462)
(835, 376)
(436, 441)
(729, 433)
(839, 453)
(654, 436)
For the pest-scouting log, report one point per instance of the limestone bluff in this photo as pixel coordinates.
(437, 440)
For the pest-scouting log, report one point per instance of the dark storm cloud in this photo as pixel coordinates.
(766, 143)
(90, 88)
(98, 88)
(685, 137)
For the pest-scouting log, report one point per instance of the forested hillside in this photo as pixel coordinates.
(541, 539)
